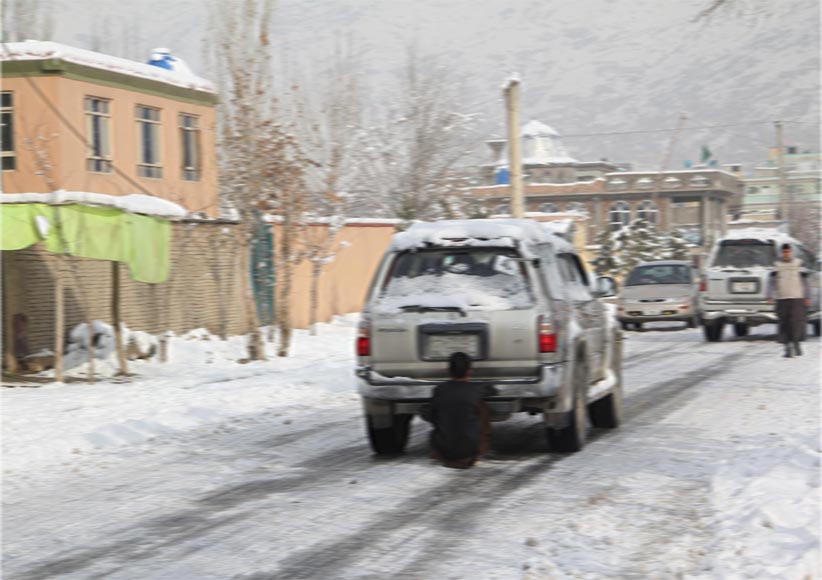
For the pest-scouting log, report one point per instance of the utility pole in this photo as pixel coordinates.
(784, 202)
(511, 93)
(663, 165)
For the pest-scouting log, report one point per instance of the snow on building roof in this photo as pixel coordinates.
(134, 203)
(479, 232)
(46, 50)
(534, 128)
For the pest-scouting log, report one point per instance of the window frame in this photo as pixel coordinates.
(648, 208)
(149, 170)
(623, 208)
(190, 172)
(98, 163)
(11, 152)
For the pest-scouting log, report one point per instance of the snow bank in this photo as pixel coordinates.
(201, 385)
(134, 203)
(767, 506)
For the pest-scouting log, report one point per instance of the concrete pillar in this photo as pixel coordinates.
(665, 214)
(705, 219)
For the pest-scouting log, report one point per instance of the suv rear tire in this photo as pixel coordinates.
(713, 330)
(607, 412)
(741, 329)
(390, 440)
(571, 438)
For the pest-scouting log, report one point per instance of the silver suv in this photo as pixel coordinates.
(518, 300)
(734, 287)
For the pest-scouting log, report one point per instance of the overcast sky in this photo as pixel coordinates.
(588, 66)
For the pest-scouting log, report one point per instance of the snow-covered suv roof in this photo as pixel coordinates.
(480, 232)
(760, 234)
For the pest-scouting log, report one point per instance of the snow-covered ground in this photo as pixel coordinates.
(204, 468)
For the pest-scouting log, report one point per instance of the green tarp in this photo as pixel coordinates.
(140, 241)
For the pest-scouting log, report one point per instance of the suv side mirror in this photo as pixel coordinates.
(605, 286)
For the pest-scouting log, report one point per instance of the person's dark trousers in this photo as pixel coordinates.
(484, 444)
(791, 314)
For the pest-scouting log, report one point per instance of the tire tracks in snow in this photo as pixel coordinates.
(443, 508)
(446, 508)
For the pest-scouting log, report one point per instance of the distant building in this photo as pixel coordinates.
(78, 120)
(698, 201)
(803, 177)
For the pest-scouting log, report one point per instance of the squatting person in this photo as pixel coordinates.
(461, 420)
(788, 284)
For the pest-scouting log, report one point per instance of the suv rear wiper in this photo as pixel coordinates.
(418, 308)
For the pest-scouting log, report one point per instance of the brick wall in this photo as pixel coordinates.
(203, 289)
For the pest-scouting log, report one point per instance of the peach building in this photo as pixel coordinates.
(77, 120)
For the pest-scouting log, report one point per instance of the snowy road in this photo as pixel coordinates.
(715, 474)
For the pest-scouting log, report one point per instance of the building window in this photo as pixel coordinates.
(753, 190)
(577, 207)
(502, 209)
(620, 215)
(617, 183)
(647, 211)
(699, 181)
(548, 208)
(7, 136)
(190, 142)
(148, 124)
(645, 183)
(98, 134)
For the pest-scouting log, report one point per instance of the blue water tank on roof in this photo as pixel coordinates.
(503, 176)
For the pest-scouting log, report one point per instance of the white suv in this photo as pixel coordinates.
(513, 296)
(735, 284)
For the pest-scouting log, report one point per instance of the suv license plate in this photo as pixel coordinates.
(744, 287)
(653, 312)
(444, 345)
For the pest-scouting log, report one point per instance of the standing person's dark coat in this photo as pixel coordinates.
(461, 420)
(789, 286)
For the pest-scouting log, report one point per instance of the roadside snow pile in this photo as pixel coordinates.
(202, 385)
(100, 341)
(767, 508)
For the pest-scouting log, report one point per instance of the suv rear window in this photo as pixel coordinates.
(744, 254)
(464, 278)
(659, 274)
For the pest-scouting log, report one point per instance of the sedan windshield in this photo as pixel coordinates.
(461, 278)
(659, 274)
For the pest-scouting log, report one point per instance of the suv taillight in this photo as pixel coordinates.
(703, 284)
(546, 337)
(364, 338)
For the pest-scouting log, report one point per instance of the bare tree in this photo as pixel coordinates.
(414, 148)
(241, 51)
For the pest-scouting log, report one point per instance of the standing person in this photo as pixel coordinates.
(461, 420)
(788, 284)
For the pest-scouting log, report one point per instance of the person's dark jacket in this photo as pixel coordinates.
(455, 413)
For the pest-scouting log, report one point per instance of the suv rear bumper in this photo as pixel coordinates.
(374, 386)
(747, 313)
